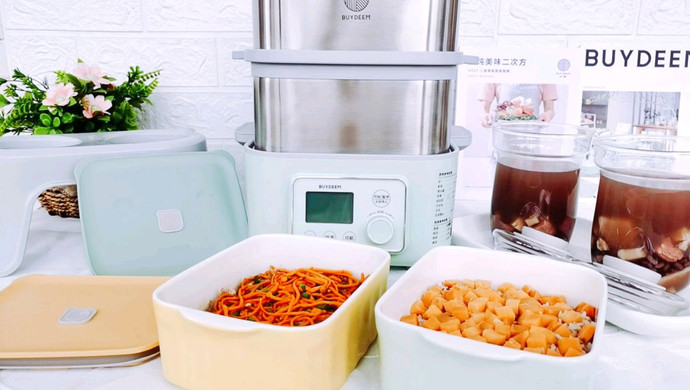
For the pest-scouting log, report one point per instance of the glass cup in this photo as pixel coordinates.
(537, 170)
(642, 213)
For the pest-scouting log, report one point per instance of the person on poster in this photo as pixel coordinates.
(523, 99)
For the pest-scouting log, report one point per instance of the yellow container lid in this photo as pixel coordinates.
(77, 321)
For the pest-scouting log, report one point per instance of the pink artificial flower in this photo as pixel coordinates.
(59, 95)
(91, 73)
(93, 105)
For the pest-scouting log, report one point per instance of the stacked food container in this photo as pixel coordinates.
(354, 136)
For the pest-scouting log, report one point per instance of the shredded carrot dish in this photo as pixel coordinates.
(305, 296)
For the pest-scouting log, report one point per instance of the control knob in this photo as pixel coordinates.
(380, 229)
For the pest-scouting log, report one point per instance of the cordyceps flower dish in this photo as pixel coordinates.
(289, 317)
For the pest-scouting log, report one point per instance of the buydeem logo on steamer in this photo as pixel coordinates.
(356, 6)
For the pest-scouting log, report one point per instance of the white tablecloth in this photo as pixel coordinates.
(628, 361)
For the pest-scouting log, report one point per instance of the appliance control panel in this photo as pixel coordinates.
(365, 210)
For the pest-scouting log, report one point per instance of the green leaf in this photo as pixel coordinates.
(3, 101)
(40, 130)
(72, 101)
(78, 84)
(45, 119)
(56, 122)
(67, 118)
(38, 95)
(11, 91)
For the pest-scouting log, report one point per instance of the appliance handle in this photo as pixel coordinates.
(480, 349)
(245, 133)
(216, 321)
(460, 137)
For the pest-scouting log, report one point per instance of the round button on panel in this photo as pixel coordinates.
(349, 236)
(380, 230)
(381, 198)
(329, 234)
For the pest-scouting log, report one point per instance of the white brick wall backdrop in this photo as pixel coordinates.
(191, 41)
(201, 87)
(3, 54)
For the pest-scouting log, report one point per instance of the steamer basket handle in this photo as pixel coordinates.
(460, 137)
(245, 133)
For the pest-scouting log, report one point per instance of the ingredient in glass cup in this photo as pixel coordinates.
(648, 227)
(545, 201)
(305, 296)
(507, 316)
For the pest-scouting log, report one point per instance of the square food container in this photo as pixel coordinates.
(413, 357)
(202, 350)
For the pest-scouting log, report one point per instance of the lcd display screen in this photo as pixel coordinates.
(330, 207)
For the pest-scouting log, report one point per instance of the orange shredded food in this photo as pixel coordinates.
(305, 296)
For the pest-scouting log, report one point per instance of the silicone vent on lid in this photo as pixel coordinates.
(77, 321)
(159, 214)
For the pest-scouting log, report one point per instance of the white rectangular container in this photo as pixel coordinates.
(413, 357)
(202, 350)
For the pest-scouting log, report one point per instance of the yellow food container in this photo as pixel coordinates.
(202, 350)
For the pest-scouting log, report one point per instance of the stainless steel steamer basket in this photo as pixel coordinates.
(353, 102)
(396, 25)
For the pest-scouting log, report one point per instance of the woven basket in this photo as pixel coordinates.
(61, 201)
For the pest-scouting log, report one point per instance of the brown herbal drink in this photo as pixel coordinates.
(646, 226)
(543, 200)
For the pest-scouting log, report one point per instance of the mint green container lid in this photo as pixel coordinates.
(158, 215)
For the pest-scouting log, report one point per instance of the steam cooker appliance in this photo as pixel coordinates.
(354, 141)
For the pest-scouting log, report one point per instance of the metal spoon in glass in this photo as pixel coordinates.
(633, 292)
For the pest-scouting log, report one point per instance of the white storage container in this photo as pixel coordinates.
(413, 357)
